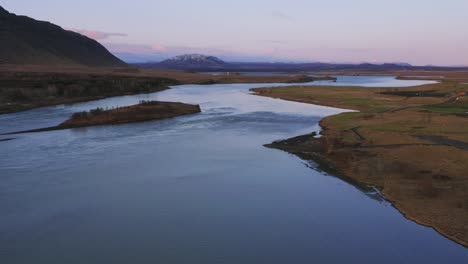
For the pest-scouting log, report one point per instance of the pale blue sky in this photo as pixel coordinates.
(419, 32)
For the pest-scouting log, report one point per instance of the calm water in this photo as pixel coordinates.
(194, 189)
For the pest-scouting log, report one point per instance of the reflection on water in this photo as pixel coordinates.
(194, 189)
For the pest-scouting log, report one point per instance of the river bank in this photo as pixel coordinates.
(24, 91)
(28, 88)
(391, 144)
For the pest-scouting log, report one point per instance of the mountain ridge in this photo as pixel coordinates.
(26, 41)
(233, 66)
(193, 61)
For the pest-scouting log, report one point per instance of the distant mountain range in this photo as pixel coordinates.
(198, 62)
(193, 61)
(25, 41)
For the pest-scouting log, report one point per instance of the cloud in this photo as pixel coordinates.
(282, 16)
(129, 48)
(158, 47)
(275, 41)
(145, 49)
(97, 35)
(277, 51)
(134, 53)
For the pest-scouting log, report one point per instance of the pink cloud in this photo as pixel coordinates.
(162, 49)
(97, 35)
(158, 48)
(135, 48)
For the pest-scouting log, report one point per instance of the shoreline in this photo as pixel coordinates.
(348, 161)
(328, 166)
(22, 91)
(49, 86)
(70, 102)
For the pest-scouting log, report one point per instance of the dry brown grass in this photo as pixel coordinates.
(426, 178)
(147, 110)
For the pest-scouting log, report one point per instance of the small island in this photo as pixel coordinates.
(144, 111)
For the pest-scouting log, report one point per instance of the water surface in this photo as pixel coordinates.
(194, 189)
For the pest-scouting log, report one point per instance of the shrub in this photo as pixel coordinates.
(79, 115)
(96, 111)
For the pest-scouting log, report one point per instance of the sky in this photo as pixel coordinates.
(430, 32)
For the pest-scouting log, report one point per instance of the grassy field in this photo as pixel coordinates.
(411, 142)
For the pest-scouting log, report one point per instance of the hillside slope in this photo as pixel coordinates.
(24, 40)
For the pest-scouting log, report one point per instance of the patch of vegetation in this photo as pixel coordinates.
(208, 82)
(395, 127)
(455, 108)
(426, 93)
(344, 121)
(34, 90)
(350, 138)
(367, 105)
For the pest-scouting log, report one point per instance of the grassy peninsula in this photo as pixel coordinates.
(410, 142)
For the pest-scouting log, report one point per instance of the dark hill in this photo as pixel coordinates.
(24, 40)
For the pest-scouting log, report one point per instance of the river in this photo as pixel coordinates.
(194, 189)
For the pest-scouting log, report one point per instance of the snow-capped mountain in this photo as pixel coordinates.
(193, 60)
